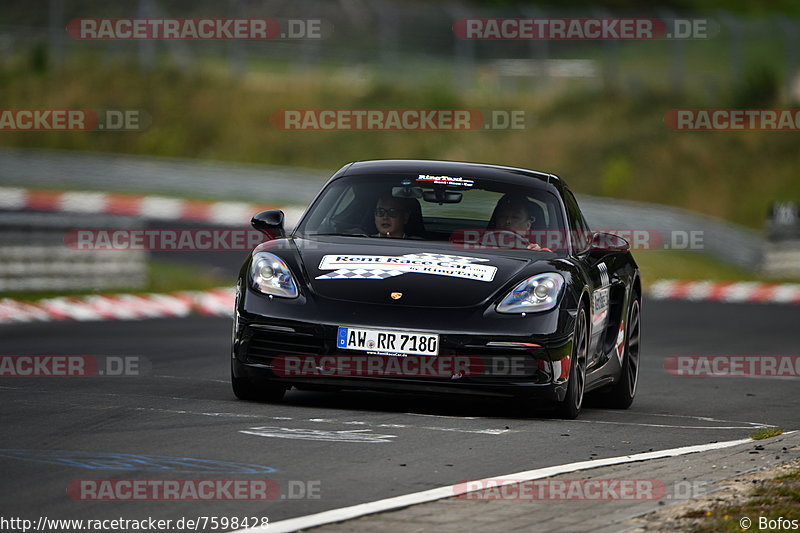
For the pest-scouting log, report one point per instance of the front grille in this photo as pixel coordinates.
(262, 346)
(504, 364)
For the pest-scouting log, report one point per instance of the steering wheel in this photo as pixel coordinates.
(501, 238)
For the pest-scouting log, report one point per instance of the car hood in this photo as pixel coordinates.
(406, 275)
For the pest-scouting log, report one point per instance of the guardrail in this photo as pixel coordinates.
(34, 257)
(296, 187)
(724, 240)
(32, 168)
(782, 249)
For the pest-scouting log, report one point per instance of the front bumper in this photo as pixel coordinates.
(518, 356)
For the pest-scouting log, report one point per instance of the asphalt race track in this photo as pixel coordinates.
(345, 448)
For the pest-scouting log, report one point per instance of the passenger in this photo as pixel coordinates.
(515, 214)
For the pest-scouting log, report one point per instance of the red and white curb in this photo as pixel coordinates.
(151, 207)
(214, 302)
(219, 302)
(726, 291)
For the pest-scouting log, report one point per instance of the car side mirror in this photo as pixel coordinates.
(270, 223)
(608, 242)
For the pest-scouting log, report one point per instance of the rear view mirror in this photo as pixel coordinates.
(406, 192)
(442, 197)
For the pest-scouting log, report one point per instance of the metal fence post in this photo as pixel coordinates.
(789, 28)
(147, 48)
(463, 51)
(736, 38)
(236, 52)
(56, 33)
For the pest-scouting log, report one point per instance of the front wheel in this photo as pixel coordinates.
(256, 390)
(570, 407)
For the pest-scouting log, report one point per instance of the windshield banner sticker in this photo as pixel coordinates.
(388, 266)
(446, 180)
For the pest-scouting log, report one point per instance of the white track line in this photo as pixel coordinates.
(397, 502)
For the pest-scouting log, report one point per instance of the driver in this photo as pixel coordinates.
(513, 213)
(391, 217)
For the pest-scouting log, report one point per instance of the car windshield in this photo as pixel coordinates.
(435, 208)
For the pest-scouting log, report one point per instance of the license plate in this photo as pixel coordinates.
(403, 342)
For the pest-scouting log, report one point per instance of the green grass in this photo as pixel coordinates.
(687, 265)
(765, 433)
(601, 143)
(168, 277)
(774, 499)
(655, 265)
(163, 277)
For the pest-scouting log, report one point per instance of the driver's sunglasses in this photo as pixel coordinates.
(392, 212)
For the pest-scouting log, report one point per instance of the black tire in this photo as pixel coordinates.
(570, 407)
(621, 395)
(256, 390)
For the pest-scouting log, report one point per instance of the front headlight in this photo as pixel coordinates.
(270, 275)
(537, 293)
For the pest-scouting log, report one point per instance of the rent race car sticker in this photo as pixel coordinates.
(600, 302)
(446, 180)
(388, 266)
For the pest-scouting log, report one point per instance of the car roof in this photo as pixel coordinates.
(519, 176)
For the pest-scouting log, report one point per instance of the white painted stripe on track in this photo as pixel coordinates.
(161, 207)
(488, 431)
(661, 289)
(230, 213)
(172, 305)
(83, 202)
(13, 197)
(740, 292)
(397, 502)
(701, 290)
(786, 292)
(667, 426)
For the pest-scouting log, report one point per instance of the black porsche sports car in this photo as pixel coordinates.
(436, 276)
